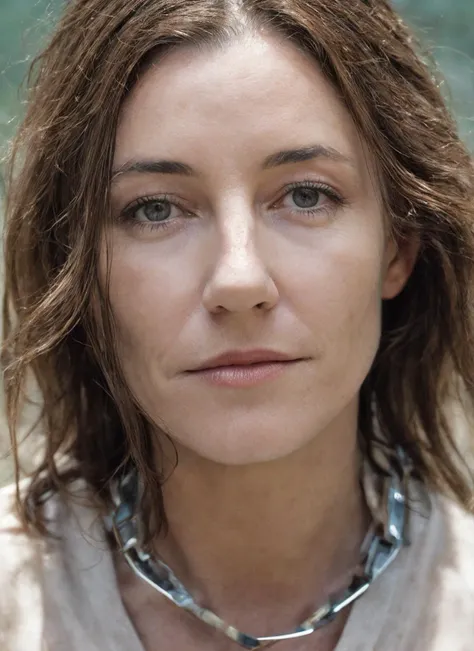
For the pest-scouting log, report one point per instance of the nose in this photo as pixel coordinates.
(240, 280)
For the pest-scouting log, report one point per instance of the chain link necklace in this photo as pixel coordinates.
(387, 536)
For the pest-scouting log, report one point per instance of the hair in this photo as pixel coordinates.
(58, 324)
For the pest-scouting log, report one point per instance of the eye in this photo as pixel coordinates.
(305, 197)
(154, 213)
(310, 198)
(157, 210)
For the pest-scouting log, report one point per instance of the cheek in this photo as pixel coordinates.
(150, 301)
(338, 297)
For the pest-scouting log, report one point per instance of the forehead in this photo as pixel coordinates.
(257, 94)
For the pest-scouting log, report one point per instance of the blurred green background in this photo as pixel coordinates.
(446, 26)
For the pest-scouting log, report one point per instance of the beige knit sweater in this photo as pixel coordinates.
(63, 596)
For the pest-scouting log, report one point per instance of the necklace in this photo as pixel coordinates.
(387, 536)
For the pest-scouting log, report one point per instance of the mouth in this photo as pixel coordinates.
(244, 358)
(245, 369)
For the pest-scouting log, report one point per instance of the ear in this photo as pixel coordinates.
(399, 261)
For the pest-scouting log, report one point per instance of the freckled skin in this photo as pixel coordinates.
(239, 265)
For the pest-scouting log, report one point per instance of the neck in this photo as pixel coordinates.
(275, 538)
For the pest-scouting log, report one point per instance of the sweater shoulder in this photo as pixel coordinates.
(20, 580)
(16, 543)
(457, 558)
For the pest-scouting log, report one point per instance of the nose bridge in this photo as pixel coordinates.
(238, 231)
(240, 279)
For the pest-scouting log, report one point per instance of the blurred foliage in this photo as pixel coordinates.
(24, 26)
(446, 27)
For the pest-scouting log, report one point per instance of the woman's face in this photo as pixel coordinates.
(262, 230)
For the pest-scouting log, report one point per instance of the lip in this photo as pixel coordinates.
(247, 375)
(240, 369)
(244, 358)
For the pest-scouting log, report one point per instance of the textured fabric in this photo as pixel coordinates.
(62, 595)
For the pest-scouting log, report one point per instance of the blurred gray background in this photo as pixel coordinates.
(446, 27)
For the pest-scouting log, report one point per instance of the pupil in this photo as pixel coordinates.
(305, 197)
(157, 211)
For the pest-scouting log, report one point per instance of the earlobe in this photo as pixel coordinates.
(400, 259)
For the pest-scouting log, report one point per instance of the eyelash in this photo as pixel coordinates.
(128, 213)
(322, 188)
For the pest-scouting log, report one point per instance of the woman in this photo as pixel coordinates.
(239, 254)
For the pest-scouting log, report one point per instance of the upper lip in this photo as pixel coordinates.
(244, 358)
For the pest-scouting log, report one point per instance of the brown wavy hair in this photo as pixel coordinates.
(58, 325)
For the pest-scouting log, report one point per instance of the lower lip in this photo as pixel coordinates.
(245, 375)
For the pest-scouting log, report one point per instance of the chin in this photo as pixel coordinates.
(243, 457)
(255, 433)
(243, 449)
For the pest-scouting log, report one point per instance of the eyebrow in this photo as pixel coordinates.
(290, 156)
